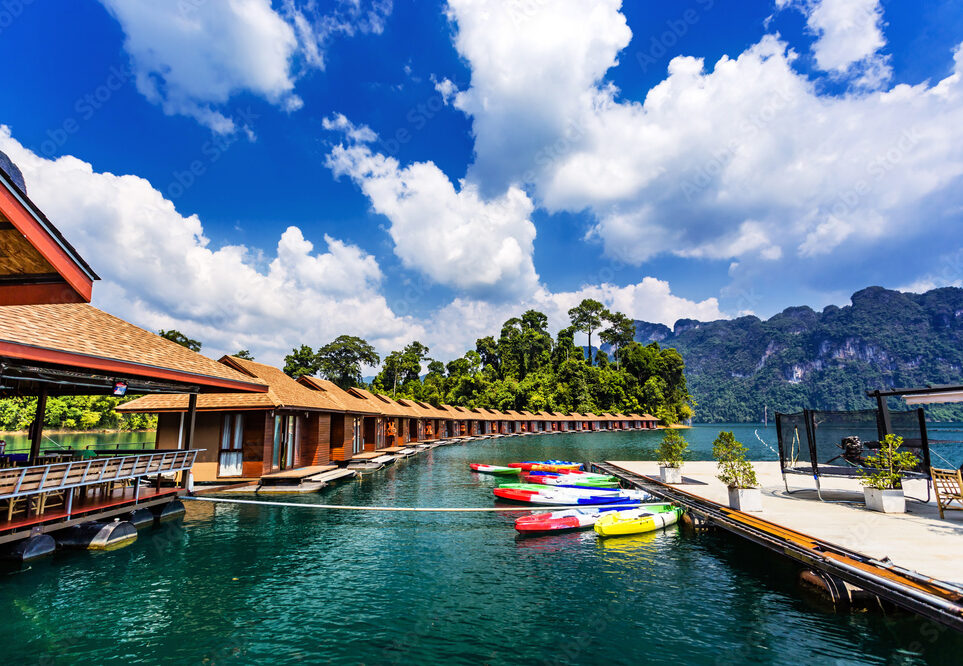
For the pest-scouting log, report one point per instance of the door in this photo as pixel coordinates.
(230, 460)
(357, 436)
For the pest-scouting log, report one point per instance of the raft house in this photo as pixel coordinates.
(54, 343)
(848, 555)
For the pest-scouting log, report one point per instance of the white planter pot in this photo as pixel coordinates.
(885, 501)
(745, 499)
(670, 474)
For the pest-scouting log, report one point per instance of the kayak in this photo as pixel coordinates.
(576, 490)
(570, 496)
(636, 521)
(494, 469)
(572, 481)
(574, 474)
(546, 465)
(567, 520)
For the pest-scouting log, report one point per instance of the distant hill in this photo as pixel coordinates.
(826, 360)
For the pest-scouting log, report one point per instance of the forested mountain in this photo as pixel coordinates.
(826, 360)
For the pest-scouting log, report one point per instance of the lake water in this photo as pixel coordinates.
(248, 584)
(20, 443)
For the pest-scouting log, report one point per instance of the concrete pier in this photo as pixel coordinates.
(917, 540)
(913, 560)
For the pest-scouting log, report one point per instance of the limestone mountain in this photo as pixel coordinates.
(827, 360)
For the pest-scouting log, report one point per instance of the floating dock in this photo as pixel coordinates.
(912, 560)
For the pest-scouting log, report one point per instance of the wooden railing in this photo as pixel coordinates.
(22, 481)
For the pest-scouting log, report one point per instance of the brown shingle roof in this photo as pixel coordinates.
(283, 392)
(80, 335)
(337, 395)
(389, 407)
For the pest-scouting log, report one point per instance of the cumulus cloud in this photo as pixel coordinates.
(192, 56)
(849, 36)
(454, 236)
(741, 159)
(159, 270)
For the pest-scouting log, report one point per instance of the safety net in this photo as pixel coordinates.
(837, 443)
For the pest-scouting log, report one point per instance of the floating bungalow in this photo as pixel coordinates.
(53, 343)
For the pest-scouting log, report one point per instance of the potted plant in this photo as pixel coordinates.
(737, 473)
(883, 486)
(671, 452)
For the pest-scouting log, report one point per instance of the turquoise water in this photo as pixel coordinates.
(246, 584)
(19, 443)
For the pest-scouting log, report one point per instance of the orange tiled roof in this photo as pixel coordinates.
(80, 335)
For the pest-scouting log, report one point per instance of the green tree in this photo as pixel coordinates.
(301, 361)
(620, 332)
(181, 339)
(245, 354)
(341, 360)
(587, 317)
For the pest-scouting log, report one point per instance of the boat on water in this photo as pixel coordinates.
(546, 465)
(637, 521)
(570, 496)
(567, 520)
(494, 469)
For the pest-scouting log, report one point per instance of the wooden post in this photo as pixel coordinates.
(189, 435)
(36, 431)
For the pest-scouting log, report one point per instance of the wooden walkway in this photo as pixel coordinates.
(299, 472)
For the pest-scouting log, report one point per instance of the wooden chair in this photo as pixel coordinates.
(948, 484)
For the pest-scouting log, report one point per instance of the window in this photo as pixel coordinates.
(232, 440)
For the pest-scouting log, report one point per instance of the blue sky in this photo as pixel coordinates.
(262, 175)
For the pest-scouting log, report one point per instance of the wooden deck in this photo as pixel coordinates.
(299, 472)
(367, 455)
(84, 508)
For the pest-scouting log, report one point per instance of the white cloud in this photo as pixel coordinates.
(455, 237)
(160, 271)
(193, 56)
(356, 133)
(316, 27)
(743, 159)
(849, 36)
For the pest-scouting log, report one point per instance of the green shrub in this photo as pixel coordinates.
(672, 449)
(889, 463)
(735, 470)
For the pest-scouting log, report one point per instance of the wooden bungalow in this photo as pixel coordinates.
(395, 419)
(514, 421)
(53, 343)
(417, 416)
(649, 422)
(247, 436)
(462, 420)
(375, 419)
(350, 425)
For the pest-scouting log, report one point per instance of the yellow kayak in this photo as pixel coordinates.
(637, 521)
